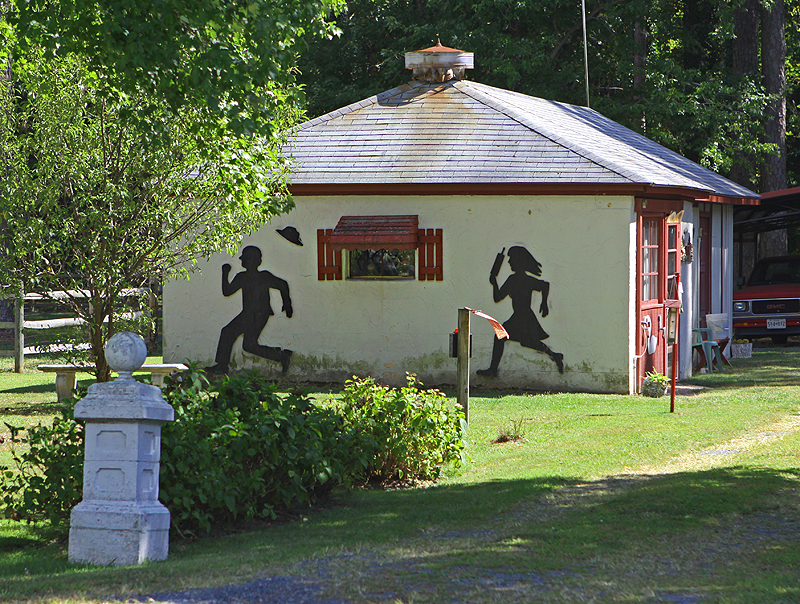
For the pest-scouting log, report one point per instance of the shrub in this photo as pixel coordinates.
(658, 378)
(402, 434)
(46, 479)
(240, 449)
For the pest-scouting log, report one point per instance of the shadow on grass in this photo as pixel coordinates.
(49, 387)
(31, 409)
(691, 532)
(32, 389)
(715, 531)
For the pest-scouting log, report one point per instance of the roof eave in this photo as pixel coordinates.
(515, 188)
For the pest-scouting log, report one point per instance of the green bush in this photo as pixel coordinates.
(403, 434)
(239, 449)
(47, 478)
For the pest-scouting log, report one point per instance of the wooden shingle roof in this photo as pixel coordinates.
(468, 133)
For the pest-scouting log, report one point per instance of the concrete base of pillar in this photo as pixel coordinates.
(118, 533)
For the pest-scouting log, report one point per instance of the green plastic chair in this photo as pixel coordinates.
(709, 347)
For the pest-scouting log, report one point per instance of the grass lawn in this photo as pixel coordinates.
(605, 499)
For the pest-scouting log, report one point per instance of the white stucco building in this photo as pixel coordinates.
(454, 172)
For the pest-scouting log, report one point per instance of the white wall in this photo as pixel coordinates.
(690, 280)
(586, 246)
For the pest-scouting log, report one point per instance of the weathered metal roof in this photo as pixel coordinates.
(464, 132)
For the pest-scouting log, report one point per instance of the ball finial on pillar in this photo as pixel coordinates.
(125, 352)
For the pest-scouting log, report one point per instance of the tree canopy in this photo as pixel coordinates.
(135, 138)
(224, 55)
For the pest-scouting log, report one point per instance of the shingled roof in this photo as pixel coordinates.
(469, 133)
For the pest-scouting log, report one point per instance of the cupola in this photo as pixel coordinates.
(439, 63)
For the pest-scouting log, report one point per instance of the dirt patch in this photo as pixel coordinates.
(721, 454)
(689, 389)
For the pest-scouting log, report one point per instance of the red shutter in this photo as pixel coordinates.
(430, 255)
(329, 261)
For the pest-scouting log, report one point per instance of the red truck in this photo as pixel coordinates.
(769, 305)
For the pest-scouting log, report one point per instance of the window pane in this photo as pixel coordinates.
(672, 264)
(672, 237)
(382, 264)
(649, 260)
(649, 287)
(650, 236)
(672, 288)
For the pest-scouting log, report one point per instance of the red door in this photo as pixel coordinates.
(658, 282)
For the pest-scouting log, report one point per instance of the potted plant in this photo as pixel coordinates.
(655, 384)
(741, 349)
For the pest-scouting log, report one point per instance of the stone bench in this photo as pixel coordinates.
(66, 379)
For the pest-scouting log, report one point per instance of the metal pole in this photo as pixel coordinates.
(19, 333)
(462, 371)
(675, 360)
(585, 51)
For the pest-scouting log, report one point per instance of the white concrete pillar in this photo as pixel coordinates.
(120, 520)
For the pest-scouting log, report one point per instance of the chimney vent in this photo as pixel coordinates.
(439, 63)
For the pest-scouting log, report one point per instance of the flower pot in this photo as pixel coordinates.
(741, 351)
(653, 389)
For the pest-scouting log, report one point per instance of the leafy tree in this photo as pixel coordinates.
(225, 56)
(136, 137)
(92, 203)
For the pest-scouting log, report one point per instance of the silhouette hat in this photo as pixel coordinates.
(290, 234)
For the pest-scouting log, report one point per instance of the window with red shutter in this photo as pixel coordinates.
(360, 237)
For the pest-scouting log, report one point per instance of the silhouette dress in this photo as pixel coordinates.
(523, 325)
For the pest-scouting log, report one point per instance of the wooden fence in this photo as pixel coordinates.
(20, 325)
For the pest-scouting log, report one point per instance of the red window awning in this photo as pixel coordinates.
(376, 232)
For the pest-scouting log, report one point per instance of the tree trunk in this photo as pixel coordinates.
(744, 61)
(639, 52)
(773, 243)
(97, 316)
(640, 63)
(744, 49)
(773, 67)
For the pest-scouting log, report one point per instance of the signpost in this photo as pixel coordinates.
(463, 350)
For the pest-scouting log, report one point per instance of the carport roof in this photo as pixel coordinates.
(466, 134)
(777, 210)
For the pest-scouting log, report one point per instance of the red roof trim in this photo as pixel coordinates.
(781, 193)
(511, 188)
(376, 232)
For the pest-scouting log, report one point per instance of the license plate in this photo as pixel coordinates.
(776, 323)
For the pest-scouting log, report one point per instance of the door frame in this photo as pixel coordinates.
(665, 216)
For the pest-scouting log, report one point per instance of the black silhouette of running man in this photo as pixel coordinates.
(522, 326)
(256, 311)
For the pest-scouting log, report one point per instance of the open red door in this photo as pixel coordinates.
(658, 277)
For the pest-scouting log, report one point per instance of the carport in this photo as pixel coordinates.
(778, 211)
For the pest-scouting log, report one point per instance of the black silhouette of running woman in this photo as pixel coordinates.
(256, 311)
(522, 326)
